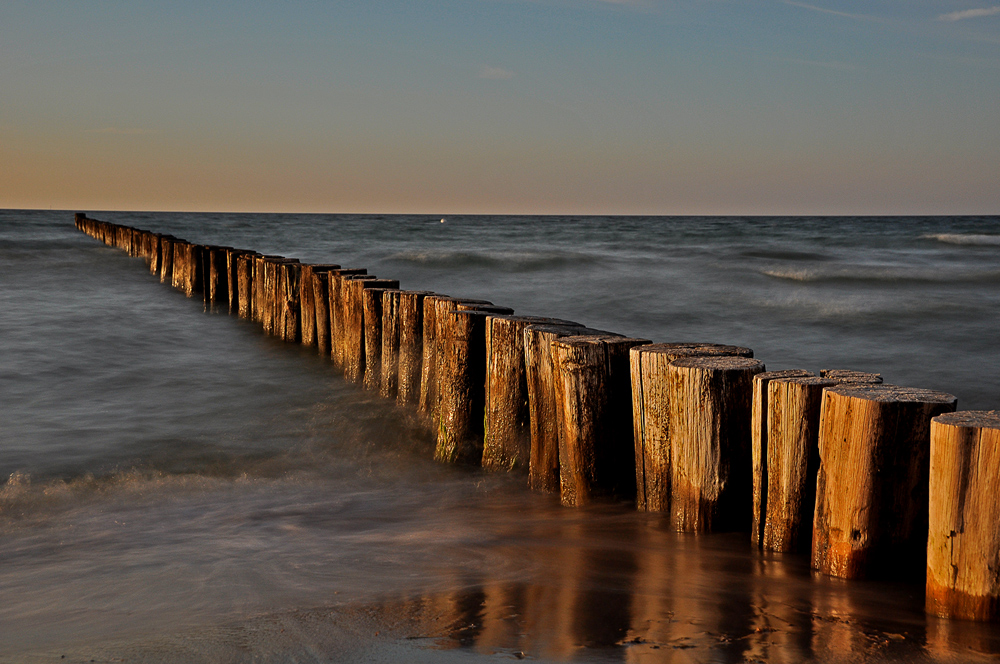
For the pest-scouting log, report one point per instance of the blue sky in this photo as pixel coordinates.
(561, 106)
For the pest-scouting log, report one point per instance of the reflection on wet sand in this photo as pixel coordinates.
(627, 589)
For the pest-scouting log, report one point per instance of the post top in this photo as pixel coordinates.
(691, 349)
(973, 419)
(892, 393)
(719, 363)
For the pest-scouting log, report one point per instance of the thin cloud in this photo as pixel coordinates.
(859, 17)
(121, 131)
(970, 13)
(495, 73)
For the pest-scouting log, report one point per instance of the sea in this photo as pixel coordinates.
(177, 486)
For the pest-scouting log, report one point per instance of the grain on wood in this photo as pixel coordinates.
(650, 409)
(594, 417)
(963, 543)
(758, 447)
(353, 343)
(308, 307)
(543, 457)
(372, 301)
(507, 423)
(710, 402)
(411, 346)
(461, 386)
(335, 307)
(792, 461)
(871, 488)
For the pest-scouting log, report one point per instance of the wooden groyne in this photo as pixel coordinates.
(873, 480)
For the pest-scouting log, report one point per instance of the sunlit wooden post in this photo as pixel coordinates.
(871, 489)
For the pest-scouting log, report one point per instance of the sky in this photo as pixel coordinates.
(502, 106)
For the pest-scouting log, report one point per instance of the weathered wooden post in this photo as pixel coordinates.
(594, 417)
(257, 288)
(154, 254)
(758, 446)
(245, 266)
(786, 434)
(354, 324)
(792, 461)
(216, 276)
(289, 276)
(372, 299)
(650, 414)
(507, 421)
(307, 301)
(461, 383)
(233, 278)
(167, 259)
(411, 345)
(871, 489)
(389, 380)
(321, 307)
(543, 458)
(179, 272)
(429, 362)
(710, 402)
(335, 306)
(963, 543)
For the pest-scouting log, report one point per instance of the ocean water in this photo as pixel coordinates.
(177, 486)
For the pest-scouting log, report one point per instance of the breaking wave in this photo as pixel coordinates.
(883, 275)
(976, 239)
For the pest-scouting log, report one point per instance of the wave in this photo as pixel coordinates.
(976, 239)
(859, 274)
(511, 261)
(785, 255)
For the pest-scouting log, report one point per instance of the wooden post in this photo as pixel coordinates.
(354, 324)
(543, 458)
(216, 276)
(321, 305)
(594, 417)
(871, 489)
(179, 272)
(257, 289)
(710, 402)
(851, 376)
(963, 543)
(758, 447)
(335, 307)
(650, 415)
(372, 299)
(348, 350)
(167, 259)
(389, 380)
(307, 301)
(507, 423)
(461, 383)
(154, 253)
(245, 265)
(433, 304)
(290, 274)
(792, 461)
(411, 345)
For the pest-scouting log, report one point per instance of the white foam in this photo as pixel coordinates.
(960, 238)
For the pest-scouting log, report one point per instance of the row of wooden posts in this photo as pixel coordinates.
(873, 479)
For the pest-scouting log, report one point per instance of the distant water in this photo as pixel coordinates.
(178, 486)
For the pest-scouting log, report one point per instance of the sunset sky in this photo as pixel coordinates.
(502, 106)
